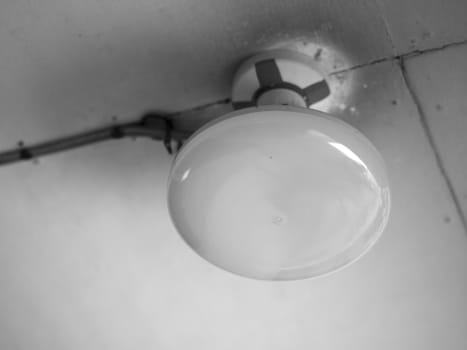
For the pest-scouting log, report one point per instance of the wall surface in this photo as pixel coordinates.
(88, 256)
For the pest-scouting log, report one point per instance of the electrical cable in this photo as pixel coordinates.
(151, 125)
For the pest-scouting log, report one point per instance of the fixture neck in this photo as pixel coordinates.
(279, 77)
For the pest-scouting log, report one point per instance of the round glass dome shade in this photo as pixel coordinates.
(279, 193)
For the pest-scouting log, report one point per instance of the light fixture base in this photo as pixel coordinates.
(279, 77)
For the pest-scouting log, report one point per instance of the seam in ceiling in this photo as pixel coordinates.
(431, 141)
(404, 56)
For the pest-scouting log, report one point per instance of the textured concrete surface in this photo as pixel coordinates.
(88, 256)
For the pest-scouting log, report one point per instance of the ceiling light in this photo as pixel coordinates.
(274, 190)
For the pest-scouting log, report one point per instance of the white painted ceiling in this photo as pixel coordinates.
(88, 256)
